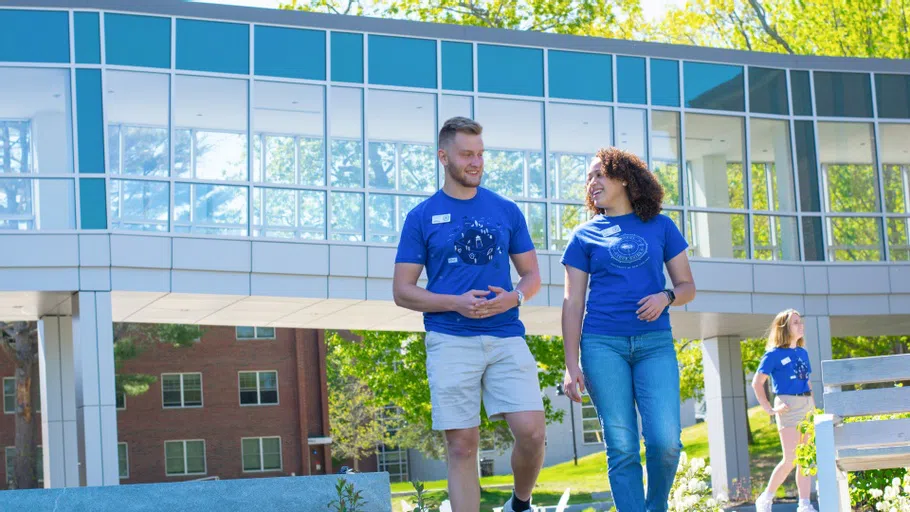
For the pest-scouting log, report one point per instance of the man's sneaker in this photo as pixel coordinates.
(508, 507)
(763, 503)
(806, 508)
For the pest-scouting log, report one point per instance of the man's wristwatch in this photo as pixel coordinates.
(671, 296)
(521, 297)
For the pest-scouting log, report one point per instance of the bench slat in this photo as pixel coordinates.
(866, 370)
(868, 401)
(878, 433)
(875, 458)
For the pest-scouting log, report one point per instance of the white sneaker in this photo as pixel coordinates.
(508, 507)
(763, 503)
(806, 508)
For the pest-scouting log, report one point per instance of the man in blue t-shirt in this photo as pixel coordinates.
(465, 236)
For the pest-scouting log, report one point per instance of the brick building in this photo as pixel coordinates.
(244, 402)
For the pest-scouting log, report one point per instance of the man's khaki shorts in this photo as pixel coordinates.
(461, 369)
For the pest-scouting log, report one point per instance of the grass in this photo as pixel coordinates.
(590, 475)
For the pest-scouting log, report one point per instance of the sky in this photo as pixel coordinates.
(651, 8)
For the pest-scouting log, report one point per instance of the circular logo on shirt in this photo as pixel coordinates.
(629, 250)
(476, 244)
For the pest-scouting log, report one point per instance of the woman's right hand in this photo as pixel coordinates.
(780, 409)
(574, 383)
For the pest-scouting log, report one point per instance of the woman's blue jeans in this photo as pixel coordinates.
(620, 373)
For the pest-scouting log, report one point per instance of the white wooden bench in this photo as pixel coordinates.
(842, 447)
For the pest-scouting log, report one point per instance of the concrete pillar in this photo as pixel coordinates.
(77, 384)
(725, 400)
(818, 344)
(783, 175)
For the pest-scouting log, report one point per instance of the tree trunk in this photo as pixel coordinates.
(27, 387)
(356, 464)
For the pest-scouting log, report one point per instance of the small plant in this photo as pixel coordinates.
(424, 504)
(691, 490)
(348, 500)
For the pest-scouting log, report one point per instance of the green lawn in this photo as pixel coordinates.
(591, 473)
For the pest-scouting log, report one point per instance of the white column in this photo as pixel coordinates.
(818, 344)
(96, 409)
(714, 233)
(725, 401)
(58, 400)
(79, 421)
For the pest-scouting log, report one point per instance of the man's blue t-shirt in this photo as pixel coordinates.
(789, 369)
(464, 245)
(624, 258)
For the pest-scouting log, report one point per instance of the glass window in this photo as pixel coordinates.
(197, 51)
(510, 70)
(800, 93)
(92, 204)
(34, 36)
(180, 390)
(386, 66)
(210, 209)
(137, 115)
(665, 153)
(513, 146)
(665, 82)
(631, 130)
(9, 395)
(210, 116)
(630, 80)
(564, 218)
(842, 94)
(387, 216)
(854, 239)
(37, 204)
(255, 333)
(139, 205)
(899, 239)
(768, 91)
(347, 57)
(184, 458)
(457, 66)
(10, 456)
(87, 26)
(580, 76)
(402, 150)
(258, 388)
(288, 133)
(807, 167)
(123, 461)
(892, 92)
(36, 133)
(272, 57)
(346, 113)
(813, 239)
(453, 106)
(714, 86)
(718, 235)
(576, 133)
(347, 216)
(714, 162)
(895, 154)
(775, 238)
(131, 40)
(284, 213)
(536, 218)
(847, 159)
(89, 121)
(261, 454)
(772, 165)
(120, 400)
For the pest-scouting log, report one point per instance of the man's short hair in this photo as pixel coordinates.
(456, 125)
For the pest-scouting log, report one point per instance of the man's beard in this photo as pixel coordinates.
(461, 177)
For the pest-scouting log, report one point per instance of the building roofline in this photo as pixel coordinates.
(472, 33)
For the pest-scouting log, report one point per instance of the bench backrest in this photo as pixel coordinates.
(866, 370)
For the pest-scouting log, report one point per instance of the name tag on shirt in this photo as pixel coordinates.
(453, 259)
(442, 219)
(785, 360)
(612, 230)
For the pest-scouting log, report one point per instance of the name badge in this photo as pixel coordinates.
(442, 219)
(453, 259)
(785, 360)
(611, 230)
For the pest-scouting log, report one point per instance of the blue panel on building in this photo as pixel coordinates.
(137, 40)
(347, 57)
(714, 86)
(88, 37)
(213, 46)
(88, 114)
(289, 52)
(402, 61)
(34, 36)
(580, 76)
(92, 203)
(665, 82)
(631, 81)
(510, 70)
(457, 66)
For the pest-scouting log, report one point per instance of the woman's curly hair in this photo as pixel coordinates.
(644, 191)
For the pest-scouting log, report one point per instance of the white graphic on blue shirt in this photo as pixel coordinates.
(801, 369)
(628, 250)
(476, 242)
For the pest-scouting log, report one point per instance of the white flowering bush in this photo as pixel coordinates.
(691, 491)
(895, 497)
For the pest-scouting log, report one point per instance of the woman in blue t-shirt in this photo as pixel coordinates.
(787, 363)
(622, 329)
